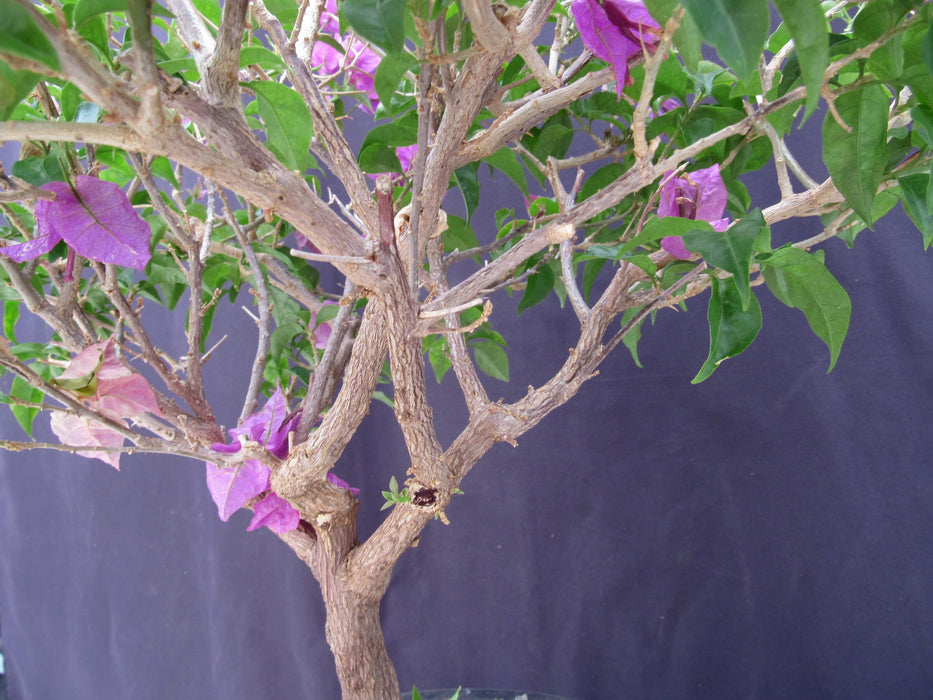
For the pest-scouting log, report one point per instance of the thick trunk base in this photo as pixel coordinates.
(355, 636)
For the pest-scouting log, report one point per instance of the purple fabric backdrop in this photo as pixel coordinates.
(764, 534)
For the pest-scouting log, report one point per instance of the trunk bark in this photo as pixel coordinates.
(353, 629)
(355, 636)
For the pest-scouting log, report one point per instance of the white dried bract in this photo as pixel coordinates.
(560, 232)
(403, 229)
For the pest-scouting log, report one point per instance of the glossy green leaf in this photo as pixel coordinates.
(22, 390)
(506, 161)
(379, 158)
(737, 29)
(603, 177)
(287, 120)
(437, 349)
(801, 280)
(467, 180)
(211, 9)
(38, 171)
(658, 227)
(459, 235)
(553, 139)
(730, 250)
(15, 85)
(916, 73)
(918, 203)
(732, 325)
(926, 49)
(856, 160)
(262, 57)
(810, 31)
(401, 132)
(10, 317)
(539, 286)
(21, 36)
(630, 339)
(686, 38)
(380, 21)
(389, 74)
(492, 360)
(923, 123)
(85, 9)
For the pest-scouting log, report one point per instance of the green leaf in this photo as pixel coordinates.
(630, 339)
(86, 9)
(21, 36)
(917, 203)
(38, 171)
(379, 21)
(856, 160)
(436, 348)
(15, 85)
(378, 158)
(492, 360)
(553, 139)
(737, 29)
(459, 235)
(467, 180)
(506, 161)
(916, 74)
(801, 280)
(262, 57)
(603, 177)
(24, 391)
(10, 317)
(659, 227)
(389, 74)
(687, 36)
(539, 286)
(402, 132)
(810, 31)
(288, 122)
(922, 116)
(732, 326)
(926, 49)
(730, 250)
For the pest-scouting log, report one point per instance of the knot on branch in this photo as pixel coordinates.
(429, 498)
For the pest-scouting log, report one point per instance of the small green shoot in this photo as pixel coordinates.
(393, 495)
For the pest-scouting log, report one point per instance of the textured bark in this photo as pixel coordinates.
(355, 637)
(353, 629)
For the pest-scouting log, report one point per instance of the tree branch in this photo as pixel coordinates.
(325, 126)
(220, 78)
(309, 462)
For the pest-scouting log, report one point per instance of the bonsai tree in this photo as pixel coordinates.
(190, 155)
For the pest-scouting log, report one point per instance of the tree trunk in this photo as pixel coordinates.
(355, 636)
(353, 629)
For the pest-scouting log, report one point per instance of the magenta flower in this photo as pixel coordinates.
(616, 31)
(700, 196)
(357, 60)
(406, 156)
(96, 220)
(233, 487)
